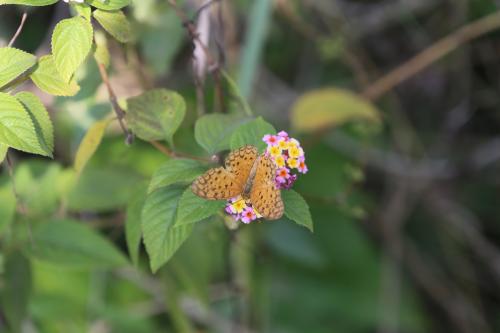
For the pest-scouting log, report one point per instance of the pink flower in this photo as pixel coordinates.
(282, 175)
(302, 167)
(283, 134)
(248, 215)
(271, 140)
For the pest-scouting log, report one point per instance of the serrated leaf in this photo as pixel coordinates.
(297, 209)
(115, 23)
(13, 63)
(158, 219)
(16, 290)
(7, 206)
(213, 131)
(71, 243)
(16, 127)
(90, 143)
(329, 107)
(82, 9)
(236, 94)
(109, 4)
(251, 133)
(156, 114)
(41, 120)
(28, 2)
(47, 78)
(101, 52)
(133, 223)
(71, 43)
(193, 208)
(175, 171)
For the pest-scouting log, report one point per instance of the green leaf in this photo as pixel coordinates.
(109, 4)
(16, 290)
(47, 78)
(213, 131)
(115, 23)
(90, 143)
(296, 209)
(175, 171)
(82, 9)
(193, 208)
(13, 63)
(41, 120)
(252, 133)
(16, 127)
(7, 205)
(3, 152)
(158, 218)
(71, 42)
(28, 2)
(70, 243)
(236, 94)
(330, 107)
(133, 223)
(156, 114)
(101, 52)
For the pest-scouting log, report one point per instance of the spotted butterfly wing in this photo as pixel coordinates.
(224, 183)
(265, 195)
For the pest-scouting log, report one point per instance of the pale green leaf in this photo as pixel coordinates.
(17, 285)
(72, 243)
(7, 205)
(241, 102)
(90, 143)
(133, 223)
(252, 133)
(193, 208)
(16, 127)
(82, 9)
(175, 171)
(115, 23)
(296, 209)
(213, 131)
(3, 152)
(109, 4)
(13, 63)
(158, 219)
(47, 78)
(71, 42)
(28, 2)
(330, 107)
(101, 52)
(156, 114)
(41, 120)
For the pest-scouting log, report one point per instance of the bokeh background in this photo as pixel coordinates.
(405, 208)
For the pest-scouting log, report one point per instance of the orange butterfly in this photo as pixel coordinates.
(248, 174)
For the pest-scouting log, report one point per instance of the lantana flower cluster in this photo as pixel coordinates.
(290, 161)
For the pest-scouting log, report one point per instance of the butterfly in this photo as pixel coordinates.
(248, 174)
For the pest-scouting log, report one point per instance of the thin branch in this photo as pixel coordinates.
(120, 114)
(18, 31)
(433, 53)
(166, 151)
(213, 64)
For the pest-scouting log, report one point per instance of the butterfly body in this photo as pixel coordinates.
(246, 174)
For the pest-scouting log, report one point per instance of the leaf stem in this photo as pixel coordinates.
(19, 29)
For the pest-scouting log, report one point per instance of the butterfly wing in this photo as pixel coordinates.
(239, 162)
(216, 184)
(224, 183)
(265, 195)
